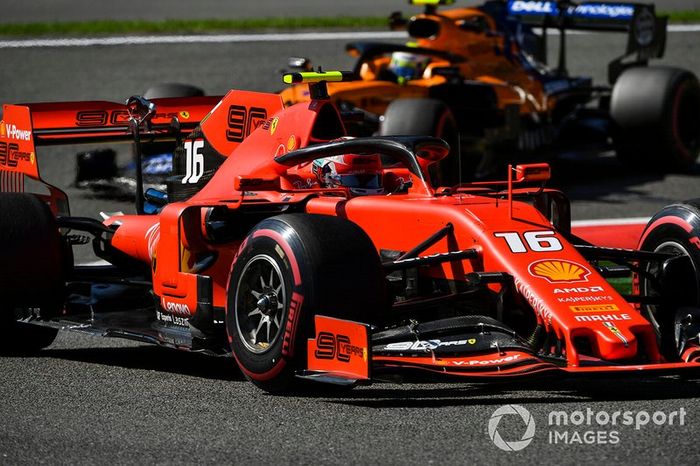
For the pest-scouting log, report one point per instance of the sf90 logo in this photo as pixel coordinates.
(92, 118)
(6, 152)
(242, 121)
(330, 346)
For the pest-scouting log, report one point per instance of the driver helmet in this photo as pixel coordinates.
(407, 66)
(362, 174)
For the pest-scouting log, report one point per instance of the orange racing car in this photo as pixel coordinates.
(478, 77)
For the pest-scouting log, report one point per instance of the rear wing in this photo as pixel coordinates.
(25, 127)
(646, 32)
(100, 121)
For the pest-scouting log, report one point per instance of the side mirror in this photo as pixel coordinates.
(423, 28)
(300, 63)
(532, 172)
(397, 22)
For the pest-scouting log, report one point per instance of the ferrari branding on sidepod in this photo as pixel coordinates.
(559, 271)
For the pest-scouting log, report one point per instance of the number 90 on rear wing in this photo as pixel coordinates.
(646, 31)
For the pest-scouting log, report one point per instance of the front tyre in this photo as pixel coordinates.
(288, 269)
(675, 229)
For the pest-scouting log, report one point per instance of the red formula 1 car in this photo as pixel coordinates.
(304, 258)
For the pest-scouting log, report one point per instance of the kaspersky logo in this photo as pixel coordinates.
(559, 271)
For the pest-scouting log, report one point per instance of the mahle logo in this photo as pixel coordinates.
(528, 421)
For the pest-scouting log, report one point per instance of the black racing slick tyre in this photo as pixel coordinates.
(675, 229)
(161, 90)
(657, 115)
(426, 117)
(32, 278)
(289, 269)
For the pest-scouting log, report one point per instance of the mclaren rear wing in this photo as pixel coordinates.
(646, 31)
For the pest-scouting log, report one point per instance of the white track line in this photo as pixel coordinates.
(610, 221)
(233, 38)
(197, 39)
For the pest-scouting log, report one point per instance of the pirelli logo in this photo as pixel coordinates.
(595, 308)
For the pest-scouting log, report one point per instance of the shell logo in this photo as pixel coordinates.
(559, 271)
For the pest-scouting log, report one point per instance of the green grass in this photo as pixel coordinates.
(177, 26)
(621, 285)
(689, 16)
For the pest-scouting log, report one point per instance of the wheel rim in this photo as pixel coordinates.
(261, 300)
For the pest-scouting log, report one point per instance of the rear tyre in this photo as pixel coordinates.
(102, 165)
(427, 117)
(162, 90)
(32, 278)
(674, 229)
(657, 112)
(290, 268)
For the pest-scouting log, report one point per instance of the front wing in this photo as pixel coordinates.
(342, 353)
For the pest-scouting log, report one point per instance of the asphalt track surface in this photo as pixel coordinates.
(87, 400)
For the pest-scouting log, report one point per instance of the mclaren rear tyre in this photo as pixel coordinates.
(657, 116)
(289, 269)
(159, 91)
(427, 117)
(675, 229)
(32, 277)
(101, 164)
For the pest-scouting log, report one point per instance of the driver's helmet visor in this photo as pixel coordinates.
(367, 181)
(404, 69)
